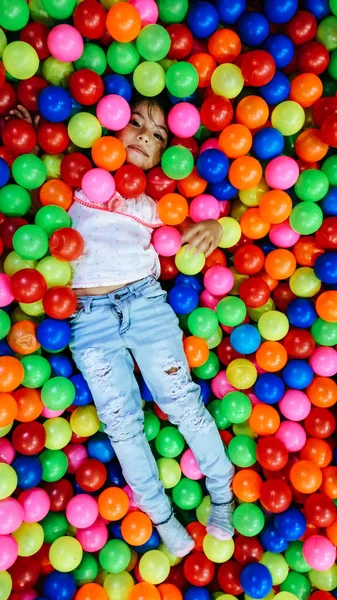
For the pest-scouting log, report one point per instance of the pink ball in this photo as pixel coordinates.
(282, 235)
(210, 144)
(93, 538)
(8, 551)
(82, 511)
(295, 405)
(50, 414)
(218, 280)
(76, 455)
(35, 503)
(204, 207)
(7, 451)
(184, 120)
(282, 172)
(319, 552)
(6, 296)
(132, 503)
(221, 386)
(324, 361)
(292, 435)
(254, 399)
(147, 9)
(11, 515)
(98, 185)
(167, 241)
(207, 300)
(65, 43)
(113, 112)
(189, 466)
(26, 595)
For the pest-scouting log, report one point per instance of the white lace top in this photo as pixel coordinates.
(117, 240)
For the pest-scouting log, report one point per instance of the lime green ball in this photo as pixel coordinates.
(188, 262)
(154, 567)
(276, 565)
(304, 283)
(59, 9)
(5, 324)
(115, 556)
(312, 185)
(214, 340)
(87, 570)
(242, 451)
(227, 80)
(37, 371)
(172, 11)
(118, 585)
(329, 167)
(294, 557)
(169, 442)
(58, 393)
(209, 369)
(333, 6)
(54, 465)
(123, 57)
(231, 311)
(248, 519)
(182, 79)
(149, 78)
(20, 60)
(324, 580)
(169, 472)
(327, 33)
(3, 41)
(53, 165)
(50, 218)
(84, 129)
(15, 201)
(255, 313)
(8, 480)
(187, 494)
(151, 425)
(218, 552)
(5, 585)
(54, 525)
(30, 242)
(273, 325)
(29, 171)
(202, 322)
(56, 272)
(153, 42)
(14, 14)
(65, 554)
(58, 433)
(288, 117)
(236, 407)
(296, 584)
(324, 333)
(214, 408)
(56, 72)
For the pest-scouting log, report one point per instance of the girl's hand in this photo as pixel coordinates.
(204, 236)
(20, 112)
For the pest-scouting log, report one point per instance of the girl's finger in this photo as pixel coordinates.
(190, 234)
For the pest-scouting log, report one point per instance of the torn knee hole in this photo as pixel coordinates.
(97, 368)
(172, 370)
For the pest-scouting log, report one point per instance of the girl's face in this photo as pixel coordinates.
(145, 136)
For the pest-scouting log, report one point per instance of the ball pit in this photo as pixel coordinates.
(253, 113)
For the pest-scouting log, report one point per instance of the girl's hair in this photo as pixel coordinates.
(161, 101)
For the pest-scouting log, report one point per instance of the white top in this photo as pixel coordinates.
(117, 240)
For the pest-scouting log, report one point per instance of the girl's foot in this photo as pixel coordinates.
(220, 521)
(175, 537)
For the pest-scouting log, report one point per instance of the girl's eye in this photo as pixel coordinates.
(134, 122)
(159, 137)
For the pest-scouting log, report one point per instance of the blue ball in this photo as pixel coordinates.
(301, 313)
(280, 11)
(76, 107)
(222, 190)
(197, 593)
(230, 10)
(115, 474)
(195, 281)
(271, 539)
(53, 334)
(83, 394)
(175, 100)
(59, 586)
(253, 28)
(212, 165)
(202, 19)
(277, 90)
(205, 390)
(4, 172)
(268, 143)
(99, 446)
(245, 339)
(326, 267)
(291, 524)
(61, 365)
(28, 470)
(329, 202)
(5, 350)
(115, 529)
(152, 543)
(269, 388)
(144, 391)
(319, 8)
(267, 247)
(281, 48)
(55, 104)
(297, 374)
(117, 84)
(183, 299)
(335, 456)
(256, 580)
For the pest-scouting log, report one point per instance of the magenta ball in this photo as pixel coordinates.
(113, 112)
(167, 241)
(7, 451)
(82, 511)
(295, 405)
(8, 552)
(65, 43)
(204, 207)
(283, 236)
(184, 120)
(210, 144)
(189, 466)
(93, 538)
(220, 385)
(6, 296)
(207, 300)
(50, 414)
(292, 435)
(282, 172)
(319, 552)
(76, 455)
(35, 503)
(11, 515)
(218, 280)
(147, 9)
(98, 185)
(323, 361)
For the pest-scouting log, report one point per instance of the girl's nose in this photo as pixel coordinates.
(143, 137)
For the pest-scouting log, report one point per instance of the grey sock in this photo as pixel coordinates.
(175, 537)
(220, 521)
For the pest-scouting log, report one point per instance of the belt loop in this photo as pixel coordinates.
(87, 304)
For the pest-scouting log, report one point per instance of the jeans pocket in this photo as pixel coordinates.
(154, 293)
(76, 315)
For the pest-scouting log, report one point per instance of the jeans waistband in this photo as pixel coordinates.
(133, 289)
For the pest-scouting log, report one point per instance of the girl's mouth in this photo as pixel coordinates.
(138, 149)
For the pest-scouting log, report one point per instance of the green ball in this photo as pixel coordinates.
(214, 408)
(169, 442)
(87, 570)
(324, 333)
(5, 324)
(297, 584)
(248, 519)
(295, 559)
(324, 580)
(37, 371)
(312, 185)
(84, 129)
(276, 565)
(3, 42)
(21, 61)
(123, 58)
(93, 58)
(56, 72)
(306, 218)
(329, 86)
(187, 494)
(202, 322)
(289, 144)
(153, 42)
(236, 407)
(50, 218)
(14, 14)
(58, 393)
(54, 465)
(172, 11)
(54, 525)
(149, 78)
(151, 425)
(177, 162)
(333, 6)
(329, 167)
(327, 33)
(169, 472)
(30, 242)
(209, 369)
(115, 556)
(29, 171)
(15, 201)
(59, 9)
(332, 68)
(242, 451)
(231, 311)
(182, 79)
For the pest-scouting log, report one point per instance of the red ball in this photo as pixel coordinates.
(275, 495)
(59, 492)
(254, 292)
(177, 578)
(66, 244)
(249, 259)
(329, 131)
(7, 229)
(313, 57)
(197, 531)
(28, 285)
(89, 19)
(158, 184)
(2, 75)
(24, 573)
(229, 578)
(320, 510)
(319, 595)
(7, 98)
(323, 108)
(181, 41)
(53, 138)
(299, 343)
(29, 438)
(271, 453)
(130, 181)
(247, 550)
(320, 423)
(19, 136)
(73, 167)
(36, 35)
(7, 155)
(86, 86)
(282, 295)
(198, 570)
(29, 90)
(226, 352)
(326, 235)
(258, 67)
(168, 268)
(189, 143)
(60, 302)
(216, 113)
(302, 27)
(91, 475)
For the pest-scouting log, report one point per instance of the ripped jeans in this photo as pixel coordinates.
(136, 321)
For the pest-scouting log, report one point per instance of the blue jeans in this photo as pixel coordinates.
(136, 321)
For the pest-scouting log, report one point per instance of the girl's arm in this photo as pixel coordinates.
(204, 236)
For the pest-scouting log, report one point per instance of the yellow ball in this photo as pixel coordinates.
(270, 596)
(256, 313)
(118, 586)
(3, 42)
(65, 554)
(58, 433)
(173, 560)
(33, 309)
(5, 585)
(231, 232)
(323, 580)
(56, 72)
(56, 272)
(154, 567)
(204, 510)
(169, 472)
(285, 596)
(84, 129)
(218, 551)
(241, 373)
(226, 597)
(227, 80)
(276, 565)
(5, 430)
(253, 196)
(273, 325)
(304, 282)
(288, 117)
(13, 263)
(239, 278)
(188, 262)
(84, 421)
(20, 60)
(244, 429)
(30, 537)
(238, 209)
(52, 162)
(8, 480)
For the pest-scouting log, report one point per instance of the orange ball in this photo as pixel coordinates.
(317, 451)
(305, 476)
(113, 504)
(247, 485)
(280, 263)
(56, 192)
(322, 392)
(8, 409)
(307, 250)
(271, 283)
(168, 591)
(306, 89)
(309, 146)
(192, 185)
(245, 172)
(172, 209)
(11, 373)
(264, 420)
(91, 591)
(216, 258)
(22, 337)
(235, 140)
(108, 153)
(224, 45)
(326, 306)
(331, 533)
(29, 404)
(205, 65)
(329, 485)
(275, 206)
(252, 111)
(123, 22)
(136, 528)
(144, 591)
(271, 356)
(196, 350)
(253, 225)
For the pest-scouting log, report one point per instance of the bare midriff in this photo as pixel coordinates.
(99, 291)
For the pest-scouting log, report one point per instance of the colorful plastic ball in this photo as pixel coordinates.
(281, 48)
(184, 120)
(227, 81)
(241, 373)
(154, 567)
(113, 112)
(267, 143)
(65, 43)
(245, 172)
(54, 104)
(256, 580)
(84, 129)
(282, 172)
(212, 165)
(189, 263)
(245, 339)
(288, 117)
(319, 552)
(20, 60)
(291, 524)
(277, 90)
(65, 554)
(136, 528)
